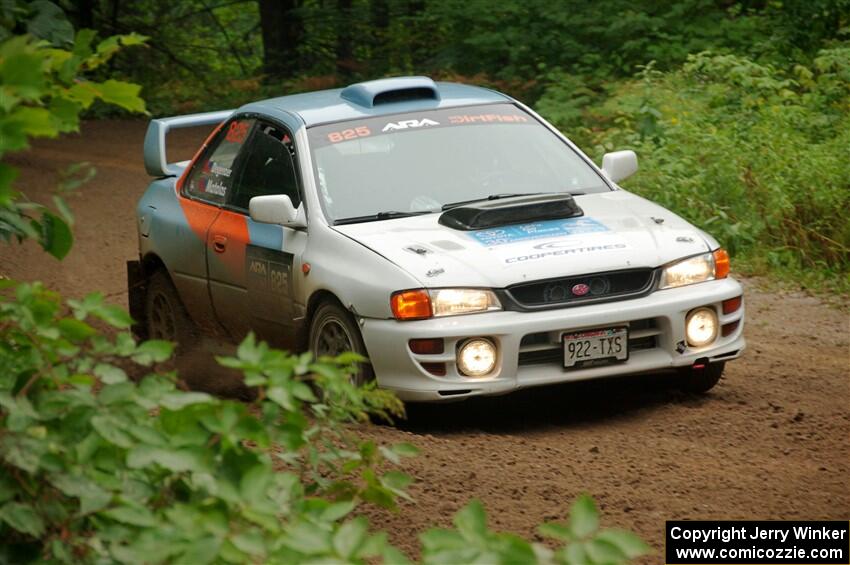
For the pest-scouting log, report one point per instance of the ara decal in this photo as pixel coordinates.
(405, 124)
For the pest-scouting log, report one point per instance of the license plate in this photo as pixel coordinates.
(595, 347)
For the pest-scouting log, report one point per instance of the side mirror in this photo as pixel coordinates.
(276, 209)
(619, 165)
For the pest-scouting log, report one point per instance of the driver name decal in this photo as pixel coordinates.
(537, 230)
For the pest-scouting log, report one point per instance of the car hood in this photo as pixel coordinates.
(619, 230)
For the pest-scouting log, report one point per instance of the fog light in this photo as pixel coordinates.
(476, 357)
(701, 327)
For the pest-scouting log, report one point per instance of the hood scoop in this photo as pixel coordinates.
(508, 211)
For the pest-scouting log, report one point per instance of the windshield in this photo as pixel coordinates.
(402, 164)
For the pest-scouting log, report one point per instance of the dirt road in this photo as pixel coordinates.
(771, 441)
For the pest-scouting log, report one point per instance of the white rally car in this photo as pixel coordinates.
(446, 232)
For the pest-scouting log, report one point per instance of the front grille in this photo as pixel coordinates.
(594, 287)
(540, 357)
(545, 347)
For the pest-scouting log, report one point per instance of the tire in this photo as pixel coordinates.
(165, 316)
(702, 380)
(334, 331)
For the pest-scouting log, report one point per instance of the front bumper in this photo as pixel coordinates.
(529, 342)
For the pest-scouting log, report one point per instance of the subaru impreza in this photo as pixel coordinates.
(446, 232)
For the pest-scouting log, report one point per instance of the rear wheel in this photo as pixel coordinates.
(334, 331)
(701, 380)
(165, 316)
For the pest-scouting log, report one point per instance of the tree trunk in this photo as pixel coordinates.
(116, 10)
(344, 47)
(418, 52)
(380, 20)
(282, 31)
(84, 14)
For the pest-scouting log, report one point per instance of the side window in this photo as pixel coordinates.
(212, 177)
(268, 168)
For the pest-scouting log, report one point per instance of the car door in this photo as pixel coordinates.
(201, 194)
(251, 264)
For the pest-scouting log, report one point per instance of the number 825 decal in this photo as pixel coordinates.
(346, 134)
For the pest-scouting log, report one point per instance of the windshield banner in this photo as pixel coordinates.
(340, 132)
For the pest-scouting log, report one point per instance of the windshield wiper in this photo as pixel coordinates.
(389, 215)
(451, 205)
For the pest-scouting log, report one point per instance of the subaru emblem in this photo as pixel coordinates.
(580, 289)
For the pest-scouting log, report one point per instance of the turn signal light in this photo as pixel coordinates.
(411, 305)
(721, 264)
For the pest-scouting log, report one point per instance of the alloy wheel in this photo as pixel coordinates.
(162, 322)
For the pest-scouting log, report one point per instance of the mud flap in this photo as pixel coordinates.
(136, 298)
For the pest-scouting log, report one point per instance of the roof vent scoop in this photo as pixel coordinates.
(510, 211)
(384, 91)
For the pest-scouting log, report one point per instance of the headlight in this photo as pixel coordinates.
(700, 268)
(451, 301)
(420, 304)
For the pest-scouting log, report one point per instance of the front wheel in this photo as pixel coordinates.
(332, 332)
(701, 380)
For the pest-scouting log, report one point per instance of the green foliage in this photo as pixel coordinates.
(42, 94)
(211, 54)
(807, 24)
(526, 39)
(40, 18)
(95, 466)
(98, 466)
(201, 54)
(752, 152)
(580, 541)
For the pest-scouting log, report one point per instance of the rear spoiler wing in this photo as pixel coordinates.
(156, 163)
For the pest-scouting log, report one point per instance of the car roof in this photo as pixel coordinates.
(376, 98)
